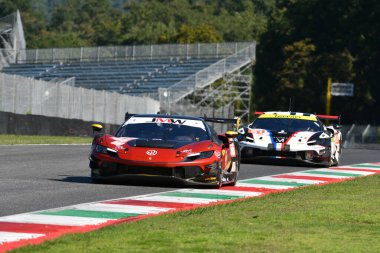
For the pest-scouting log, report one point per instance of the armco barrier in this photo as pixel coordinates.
(19, 124)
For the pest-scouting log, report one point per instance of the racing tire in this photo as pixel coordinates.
(95, 180)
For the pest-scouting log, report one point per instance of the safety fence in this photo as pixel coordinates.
(361, 136)
(200, 50)
(30, 96)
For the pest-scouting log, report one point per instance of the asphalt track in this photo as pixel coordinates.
(38, 177)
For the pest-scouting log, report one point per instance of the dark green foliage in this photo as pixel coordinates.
(301, 43)
(345, 40)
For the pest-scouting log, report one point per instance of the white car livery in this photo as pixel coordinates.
(291, 136)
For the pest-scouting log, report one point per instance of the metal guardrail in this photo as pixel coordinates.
(23, 95)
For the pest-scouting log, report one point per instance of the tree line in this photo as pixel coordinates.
(301, 43)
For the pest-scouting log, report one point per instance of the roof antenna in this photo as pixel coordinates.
(290, 105)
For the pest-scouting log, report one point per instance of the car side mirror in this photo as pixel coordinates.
(97, 127)
(231, 134)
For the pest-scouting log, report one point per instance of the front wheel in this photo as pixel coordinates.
(95, 179)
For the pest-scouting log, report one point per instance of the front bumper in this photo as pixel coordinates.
(201, 173)
(302, 157)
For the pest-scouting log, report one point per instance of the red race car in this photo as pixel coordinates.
(169, 147)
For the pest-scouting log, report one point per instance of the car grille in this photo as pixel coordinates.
(257, 152)
(138, 170)
(180, 171)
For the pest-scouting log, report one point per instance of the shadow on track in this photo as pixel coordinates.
(147, 182)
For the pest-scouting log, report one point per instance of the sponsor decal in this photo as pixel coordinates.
(187, 151)
(287, 116)
(151, 152)
(279, 139)
(168, 120)
(256, 131)
(217, 153)
(154, 120)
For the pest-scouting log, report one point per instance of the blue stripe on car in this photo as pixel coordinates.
(271, 139)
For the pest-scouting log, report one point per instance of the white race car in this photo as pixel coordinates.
(291, 137)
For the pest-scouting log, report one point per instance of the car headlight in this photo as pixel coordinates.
(245, 135)
(319, 139)
(200, 155)
(105, 150)
(101, 149)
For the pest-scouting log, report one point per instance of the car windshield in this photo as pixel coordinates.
(163, 131)
(288, 125)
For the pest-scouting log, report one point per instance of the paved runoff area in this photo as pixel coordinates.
(35, 227)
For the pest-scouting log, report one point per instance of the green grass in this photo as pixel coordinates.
(343, 217)
(39, 139)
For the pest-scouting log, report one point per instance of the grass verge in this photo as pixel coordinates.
(341, 217)
(38, 139)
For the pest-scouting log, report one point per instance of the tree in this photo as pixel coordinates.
(202, 33)
(346, 47)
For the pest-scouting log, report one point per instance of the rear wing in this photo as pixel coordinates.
(236, 121)
(328, 117)
(320, 116)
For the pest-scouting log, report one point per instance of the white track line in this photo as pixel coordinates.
(222, 192)
(364, 173)
(53, 219)
(122, 208)
(13, 236)
(173, 199)
(317, 175)
(266, 186)
(291, 180)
